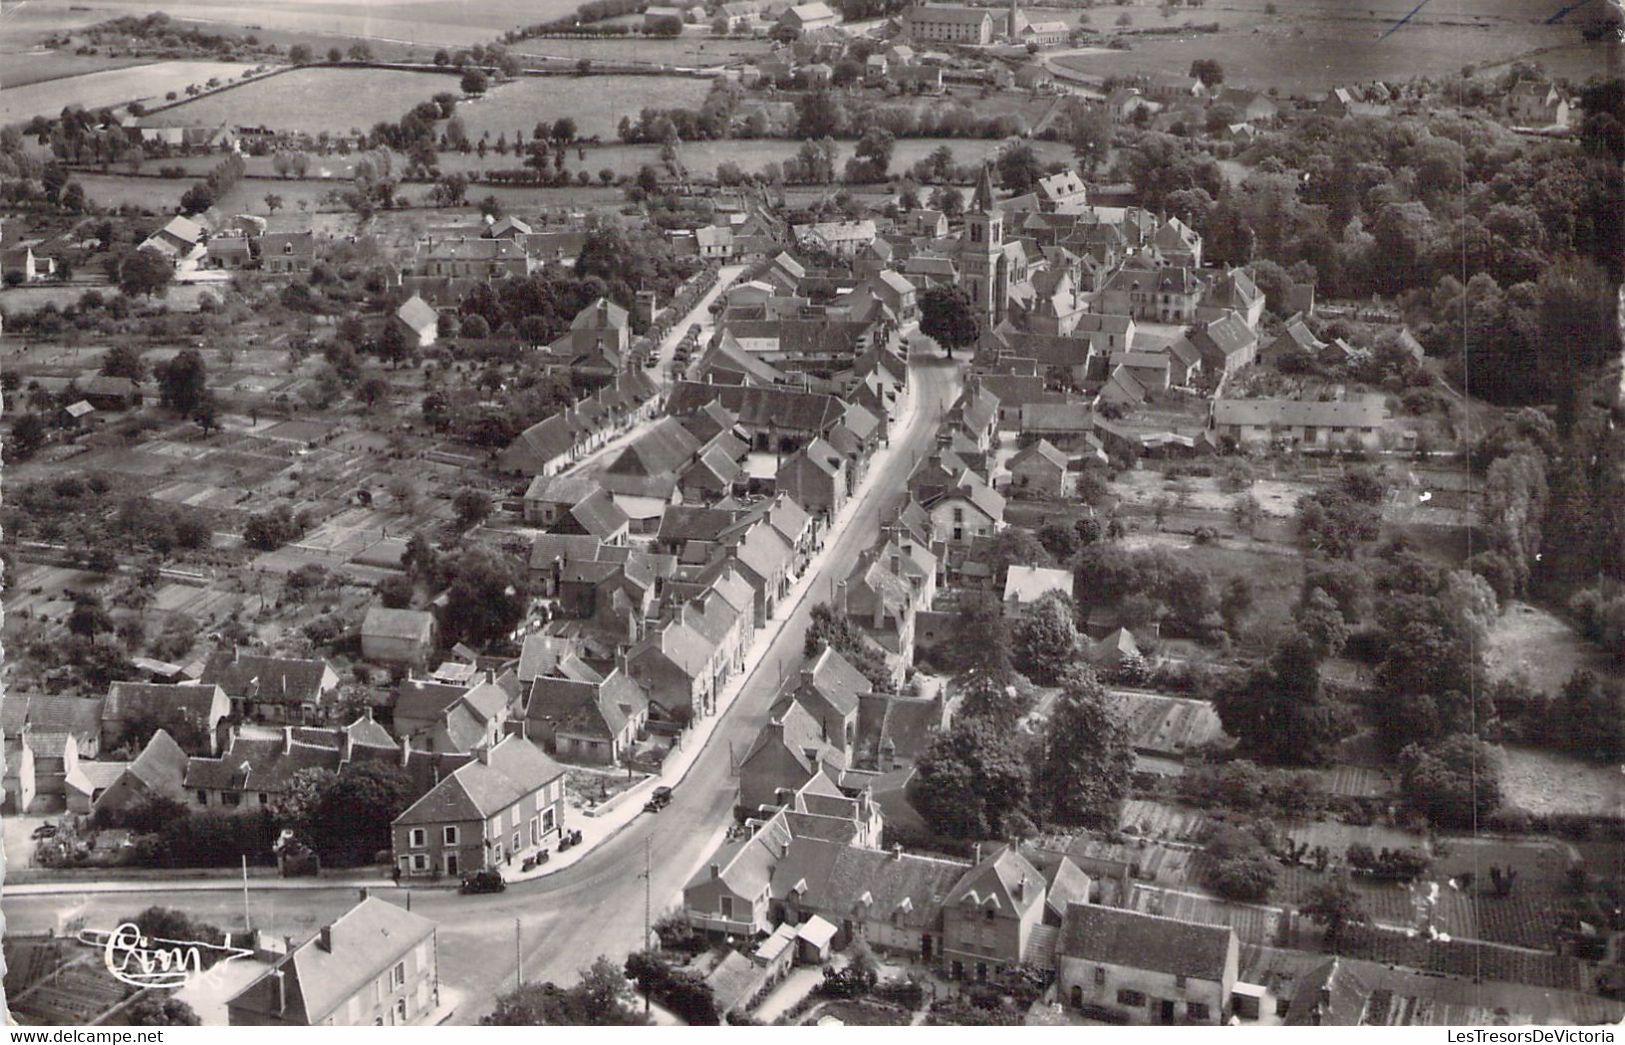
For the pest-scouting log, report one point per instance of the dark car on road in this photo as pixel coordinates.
(659, 799)
(482, 882)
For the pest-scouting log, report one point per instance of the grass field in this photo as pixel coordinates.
(596, 103)
(108, 87)
(689, 49)
(1541, 648)
(335, 100)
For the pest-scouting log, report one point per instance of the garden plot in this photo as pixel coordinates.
(1546, 782)
(1163, 822)
(596, 103)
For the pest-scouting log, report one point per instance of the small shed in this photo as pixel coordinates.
(814, 941)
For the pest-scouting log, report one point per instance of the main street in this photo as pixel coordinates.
(596, 906)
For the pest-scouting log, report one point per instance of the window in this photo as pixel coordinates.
(400, 1011)
(535, 830)
(420, 861)
(989, 914)
(231, 798)
(727, 907)
(1179, 981)
(1196, 1010)
(418, 838)
(202, 798)
(547, 820)
(1131, 998)
(397, 976)
(959, 515)
(451, 835)
(265, 799)
(1100, 976)
(516, 846)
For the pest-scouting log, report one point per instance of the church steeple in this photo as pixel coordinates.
(982, 199)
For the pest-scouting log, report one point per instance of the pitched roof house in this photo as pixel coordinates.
(375, 965)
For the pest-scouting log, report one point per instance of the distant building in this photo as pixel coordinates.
(418, 321)
(806, 18)
(1334, 424)
(925, 23)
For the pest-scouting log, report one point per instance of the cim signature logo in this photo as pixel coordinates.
(133, 958)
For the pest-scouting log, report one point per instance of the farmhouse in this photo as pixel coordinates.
(1336, 423)
(1125, 966)
(405, 637)
(806, 18)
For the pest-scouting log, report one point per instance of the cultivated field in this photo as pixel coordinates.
(26, 67)
(1308, 52)
(596, 103)
(433, 23)
(108, 87)
(336, 100)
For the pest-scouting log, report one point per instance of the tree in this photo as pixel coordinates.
(819, 114)
(486, 598)
(183, 382)
(27, 436)
(1236, 602)
(1210, 72)
(1321, 622)
(872, 158)
(835, 631)
(335, 55)
(1455, 783)
(564, 129)
(89, 617)
(197, 199)
(273, 202)
(353, 813)
(1336, 524)
(601, 999)
(1089, 132)
(1045, 640)
(271, 529)
(1279, 710)
(972, 780)
(472, 506)
(949, 200)
(1334, 904)
(161, 1010)
(144, 273)
(1087, 757)
(474, 82)
(946, 316)
(299, 54)
(1019, 169)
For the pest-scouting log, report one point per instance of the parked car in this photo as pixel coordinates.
(482, 882)
(46, 830)
(659, 799)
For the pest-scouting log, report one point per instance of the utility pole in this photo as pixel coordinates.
(518, 959)
(647, 893)
(248, 923)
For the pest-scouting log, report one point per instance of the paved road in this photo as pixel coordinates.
(597, 906)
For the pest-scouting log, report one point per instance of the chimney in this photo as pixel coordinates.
(287, 739)
(716, 870)
(324, 939)
(406, 750)
(281, 988)
(1021, 888)
(976, 853)
(483, 754)
(896, 851)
